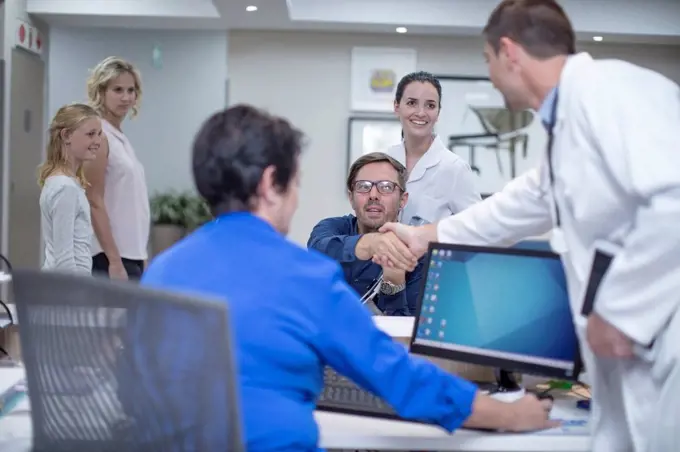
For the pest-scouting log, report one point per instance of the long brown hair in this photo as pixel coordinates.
(68, 118)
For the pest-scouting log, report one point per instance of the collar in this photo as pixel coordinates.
(575, 64)
(431, 158)
(107, 126)
(354, 224)
(247, 220)
(546, 109)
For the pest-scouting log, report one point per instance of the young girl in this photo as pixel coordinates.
(440, 183)
(74, 137)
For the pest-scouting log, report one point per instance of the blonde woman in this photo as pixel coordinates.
(74, 138)
(117, 187)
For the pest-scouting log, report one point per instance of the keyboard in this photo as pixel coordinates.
(341, 395)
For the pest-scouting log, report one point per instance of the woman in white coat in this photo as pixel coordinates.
(440, 183)
(610, 191)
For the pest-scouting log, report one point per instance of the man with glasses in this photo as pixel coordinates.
(375, 187)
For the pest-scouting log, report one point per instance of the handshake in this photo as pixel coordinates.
(396, 246)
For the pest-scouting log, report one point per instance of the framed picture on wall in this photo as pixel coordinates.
(366, 134)
(375, 73)
(497, 143)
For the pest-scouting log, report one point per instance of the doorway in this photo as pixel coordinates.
(25, 148)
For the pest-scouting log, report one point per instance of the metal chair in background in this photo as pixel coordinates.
(112, 366)
(503, 130)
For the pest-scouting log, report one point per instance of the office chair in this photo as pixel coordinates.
(112, 366)
(6, 317)
(503, 129)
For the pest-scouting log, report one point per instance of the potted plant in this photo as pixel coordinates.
(174, 214)
(167, 225)
(196, 212)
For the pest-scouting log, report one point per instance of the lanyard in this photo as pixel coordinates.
(551, 173)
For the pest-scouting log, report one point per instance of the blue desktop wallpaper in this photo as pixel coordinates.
(506, 303)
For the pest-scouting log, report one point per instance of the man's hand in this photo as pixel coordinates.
(606, 340)
(394, 275)
(388, 248)
(417, 238)
(524, 415)
(531, 414)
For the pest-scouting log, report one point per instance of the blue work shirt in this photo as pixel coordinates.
(337, 238)
(291, 314)
(545, 111)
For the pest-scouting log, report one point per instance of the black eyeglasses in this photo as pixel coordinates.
(385, 187)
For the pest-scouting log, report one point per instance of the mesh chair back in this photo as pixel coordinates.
(112, 366)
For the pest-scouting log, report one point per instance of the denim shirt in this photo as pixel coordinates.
(337, 238)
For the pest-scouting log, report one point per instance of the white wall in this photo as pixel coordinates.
(305, 77)
(177, 98)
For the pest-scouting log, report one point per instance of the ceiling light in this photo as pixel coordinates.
(401, 30)
(597, 38)
(251, 8)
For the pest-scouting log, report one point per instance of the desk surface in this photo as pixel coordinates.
(338, 431)
(355, 432)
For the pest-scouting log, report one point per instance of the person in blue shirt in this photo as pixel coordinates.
(291, 311)
(375, 188)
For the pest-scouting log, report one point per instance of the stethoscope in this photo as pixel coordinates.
(558, 242)
(371, 293)
(373, 290)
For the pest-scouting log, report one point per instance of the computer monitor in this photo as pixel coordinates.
(507, 308)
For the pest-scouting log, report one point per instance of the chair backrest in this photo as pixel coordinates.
(499, 121)
(112, 366)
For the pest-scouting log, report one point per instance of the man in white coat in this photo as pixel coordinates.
(608, 191)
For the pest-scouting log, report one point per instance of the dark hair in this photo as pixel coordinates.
(234, 147)
(541, 27)
(376, 157)
(420, 76)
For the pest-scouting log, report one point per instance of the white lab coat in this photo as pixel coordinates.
(616, 159)
(440, 184)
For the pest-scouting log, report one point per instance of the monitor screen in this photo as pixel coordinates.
(506, 308)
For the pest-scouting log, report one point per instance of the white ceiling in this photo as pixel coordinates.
(633, 21)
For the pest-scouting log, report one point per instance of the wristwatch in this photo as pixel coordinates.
(388, 288)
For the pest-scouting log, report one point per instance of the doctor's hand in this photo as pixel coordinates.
(386, 248)
(417, 238)
(605, 340)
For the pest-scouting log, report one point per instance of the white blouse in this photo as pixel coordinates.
(439, 185)
(126, 197)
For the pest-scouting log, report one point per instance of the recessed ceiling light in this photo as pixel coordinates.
(251, 8)
(401, 30)
(597, 38)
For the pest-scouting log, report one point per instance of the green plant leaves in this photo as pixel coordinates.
(185, 210)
